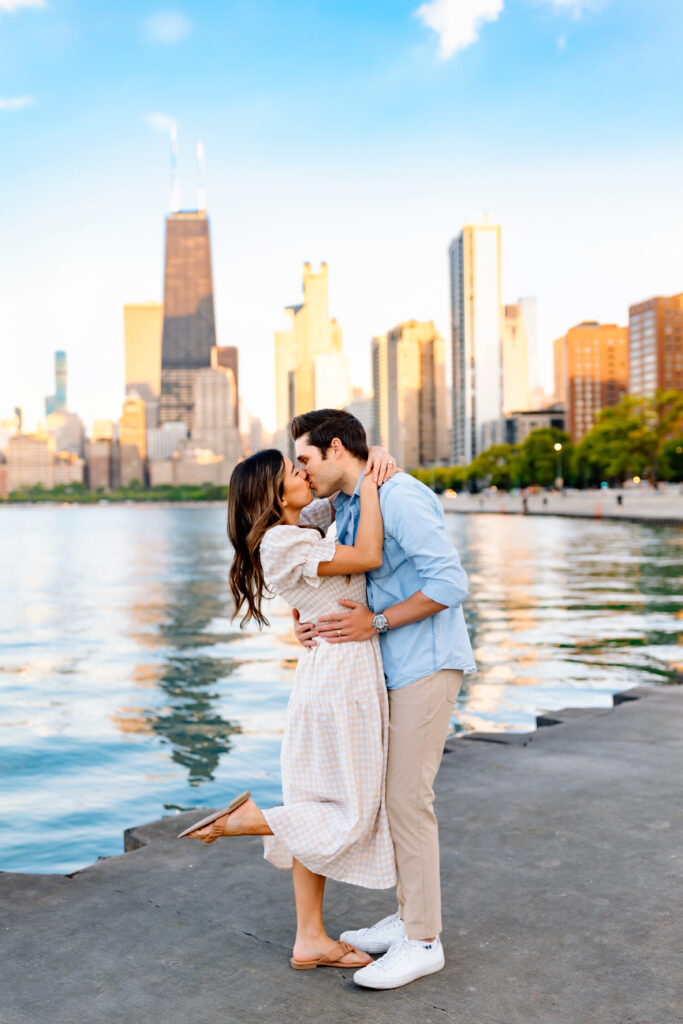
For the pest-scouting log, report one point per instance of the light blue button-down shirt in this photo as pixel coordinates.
(417, 555)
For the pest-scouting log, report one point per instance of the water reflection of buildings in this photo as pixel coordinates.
(502, 604)
(176, 617)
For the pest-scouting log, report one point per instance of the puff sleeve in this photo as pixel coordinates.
(290, 554)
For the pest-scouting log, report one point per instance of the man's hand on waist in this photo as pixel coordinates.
(344, 626)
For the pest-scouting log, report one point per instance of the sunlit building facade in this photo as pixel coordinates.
(311, 370)
(380, 391)
(226, 357)
(656, 345)
(66, 428)
(476, 338)
(214, 426)
(132, 441)
(412, 389)
(142, 331)
(515, 360)
(591, 372)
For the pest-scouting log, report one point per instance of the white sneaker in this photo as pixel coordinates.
(378, 938)
(406, 960)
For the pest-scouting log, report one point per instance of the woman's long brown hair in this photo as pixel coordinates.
(254, 505)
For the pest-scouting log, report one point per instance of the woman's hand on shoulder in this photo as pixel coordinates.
(368, 483)
(381, 465)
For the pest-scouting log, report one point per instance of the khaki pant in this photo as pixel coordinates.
(419, 715)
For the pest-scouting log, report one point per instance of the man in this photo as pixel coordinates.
(415, 604)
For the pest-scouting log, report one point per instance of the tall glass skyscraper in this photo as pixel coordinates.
(189, 331)
(57, 402)
(476, 339)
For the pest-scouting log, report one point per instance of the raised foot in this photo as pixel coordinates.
(245, 820)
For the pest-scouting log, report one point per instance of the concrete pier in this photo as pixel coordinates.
(563, 899)
(663, 507)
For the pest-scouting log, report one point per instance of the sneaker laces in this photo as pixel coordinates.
(391, 919)
(397, 952)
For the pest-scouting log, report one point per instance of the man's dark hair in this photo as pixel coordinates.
(322, 425)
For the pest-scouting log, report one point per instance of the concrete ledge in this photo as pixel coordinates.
(562, 877)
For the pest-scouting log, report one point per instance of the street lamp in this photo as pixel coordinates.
(559, 482)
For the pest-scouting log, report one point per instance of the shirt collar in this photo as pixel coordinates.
(343, 499)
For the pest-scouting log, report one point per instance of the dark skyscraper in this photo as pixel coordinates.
(57, 402)
(189, 331)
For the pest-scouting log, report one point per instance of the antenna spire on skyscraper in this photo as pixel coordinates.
(201, 189)
(175, 197)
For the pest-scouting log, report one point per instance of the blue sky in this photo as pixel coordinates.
(363, 134)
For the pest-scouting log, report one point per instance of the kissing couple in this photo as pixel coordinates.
(376, 589)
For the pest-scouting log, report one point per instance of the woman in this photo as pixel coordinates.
(333, 821)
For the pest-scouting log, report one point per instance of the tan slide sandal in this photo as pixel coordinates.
(332, 959)
(237, 802)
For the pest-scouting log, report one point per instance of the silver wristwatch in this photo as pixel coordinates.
(380, 623)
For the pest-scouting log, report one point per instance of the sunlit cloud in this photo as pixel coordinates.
(16, 102)
(457, 22)
(14, 5)
(168, 27)
(160, 122)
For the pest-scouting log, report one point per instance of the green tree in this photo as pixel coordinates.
(632, 439)
(498, 466)
(540, 463)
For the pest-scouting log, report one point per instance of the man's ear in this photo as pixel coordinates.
(337, 447)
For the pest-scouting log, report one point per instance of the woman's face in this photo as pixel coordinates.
(297, 490)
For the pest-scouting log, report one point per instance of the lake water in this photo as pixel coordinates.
(127, 694)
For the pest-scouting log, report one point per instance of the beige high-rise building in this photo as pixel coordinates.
(380, 389)
(515, 360)
(414, 394)
(310, 368)
(214, 426)
(142, 328)
(434, 421)
(67, 430)
(591, 372)
(132, 441)
(29, 461)
(98, 463)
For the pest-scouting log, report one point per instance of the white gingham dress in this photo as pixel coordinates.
(334, 750)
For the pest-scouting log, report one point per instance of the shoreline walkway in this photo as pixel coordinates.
(658, 508)
(562, 862)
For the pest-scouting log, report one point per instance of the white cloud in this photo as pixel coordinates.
(16, 102)
(562, 43)
(167, 27)
(160, 122)
(457, 22)
(15, 5)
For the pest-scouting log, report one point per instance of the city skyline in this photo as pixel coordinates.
(539, 120)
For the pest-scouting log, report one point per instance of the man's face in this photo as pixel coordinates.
(323, 473)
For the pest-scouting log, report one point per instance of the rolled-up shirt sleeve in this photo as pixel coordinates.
(415, 522)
